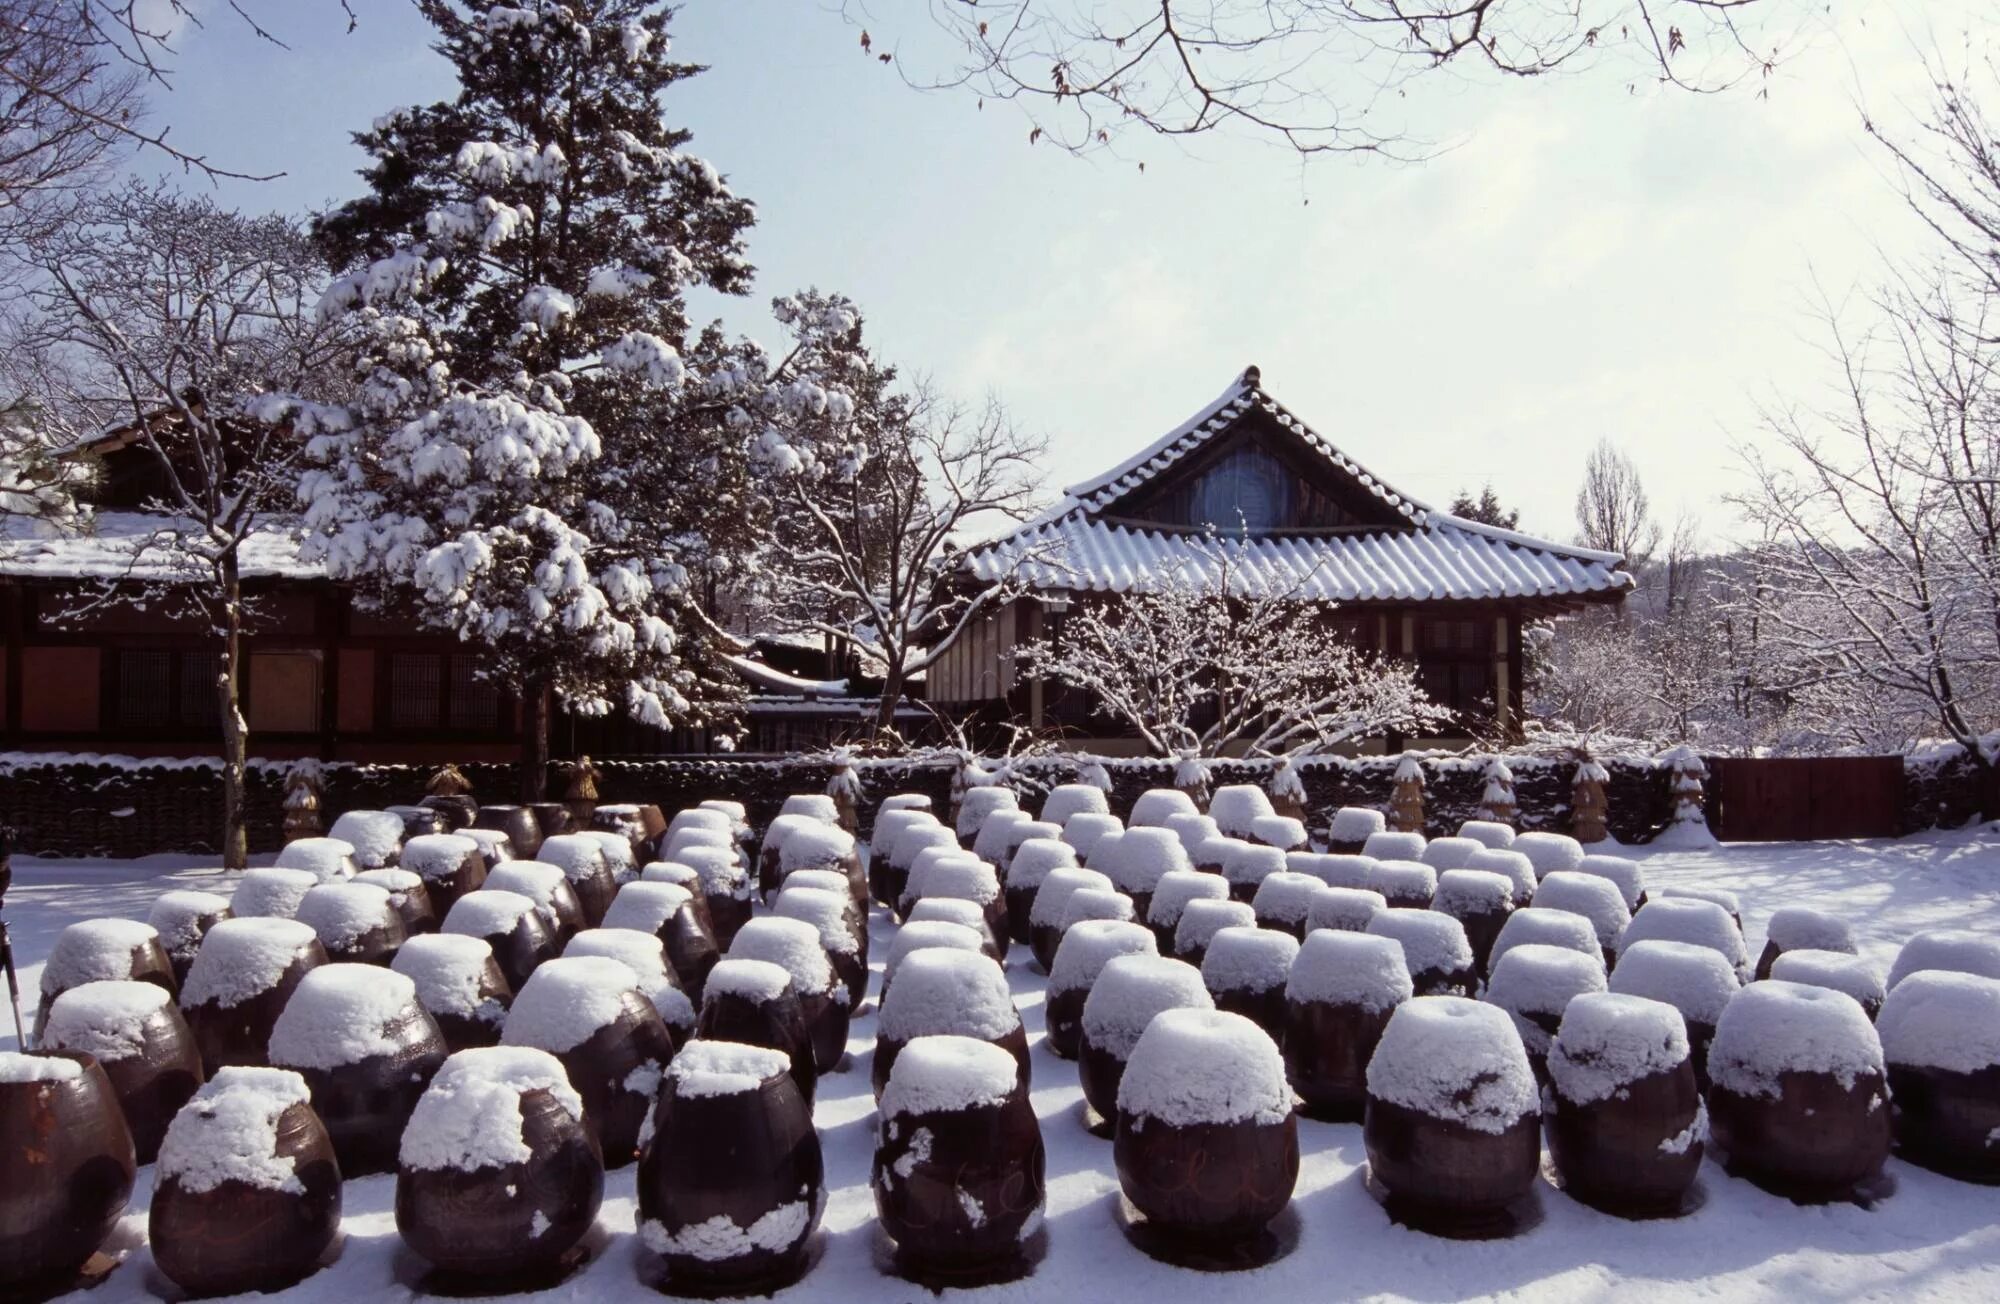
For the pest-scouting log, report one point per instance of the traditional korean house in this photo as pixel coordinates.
(1395, 575)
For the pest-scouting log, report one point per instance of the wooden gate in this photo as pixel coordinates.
(1791, 799)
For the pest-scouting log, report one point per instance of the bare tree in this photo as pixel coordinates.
(868, 533)
(1317, 75)
(175, 323)
(1613, 512)
(1205, 661)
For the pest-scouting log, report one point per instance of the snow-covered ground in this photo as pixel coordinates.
(1933, 1239)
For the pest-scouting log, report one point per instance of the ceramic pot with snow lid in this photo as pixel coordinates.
(793, 945)
(1086, 948)
(829, 912)
(1351, 827)
(1245, 970)
(408, 897)
(581, 858)
(66, 1168)
(138, 1037)
(548, 887)
(459, 982)
(1625, 1120)
(1341, 990)
(1535, 984)
(1799, 1101)
(1453, 1124)
(498, 1178)
(1801, 928)
(239, 983)
(1283, 900)
(375, 835)
(1404, 884)
(512, 925)
(1685, 919)
(959, 1170)
(1440, 957)
(450, 864)
(1203, 919)
(1045, 916)
(246, 1196)
(1343, 909)
(1695, 980)
(328, 860)
(1548, 852)
(1941, 1039)
(104, 950)
(1595, 899)
(675, 916)
(751, 1002)
(1206, 1146)
(182, 918)
(355, 922)
(732, 1182)
(1171, 896)
(588, 1012)
(1130, 990)
(367, 1049)
(643, 955)
(523, 829)
(890, 825)
(1480, 901)
(941, 990)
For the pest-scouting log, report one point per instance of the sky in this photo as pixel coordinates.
(1581, 260)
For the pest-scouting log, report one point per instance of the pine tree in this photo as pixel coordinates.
(541, 459)
(1486, 509)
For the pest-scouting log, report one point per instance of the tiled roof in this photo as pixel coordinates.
(127, 546)
(1436, 556)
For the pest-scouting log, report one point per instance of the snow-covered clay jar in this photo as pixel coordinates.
(1171, 896)
(1202, 919)
(1245, 970)
(1045, 915)
(408, 896)
(1801, 928)
(952, 910)
(1130, 990)
(1067, 800)
(830, 911)
(1404, 884)
(946, 991)
(824, 846)
(182, 918)
(731, 1184)
(142, 1043)
(1480, 901)
(961, 876)
(498, 1177)
(1139, 860)
(1083, 832)
(1235, 807)
(66, 1168)
(1839, 970)
(375, 835)
(1351, 827)
(1548, 852)
(104, 950)
(460, 983)
(726, 888)
(1622, 871)
(1086, 948)
(1443, 854)
(1453, 1130)
(1596, 899)
(890, 824)
(959, 1165)
(1941, 1038)
(512, 925)
(518, 823)
(1952, 950)
(1342, 988)
(247, 1193)
(588, 1012)
(1685, 919)
(1545, 926)
(238, 985)
(1155, 806)
(1247, 864)
(1344, 909)
(751, 1003)
(793, 945)
(911, 841)
(655, 978)
(679, 918)
(367, 1049)
(355, 922)
(1390, 844)
(1434, 946)
(1510, 865)
(1206, 1146)
(1625, 1121)
(273, 892)
(1799, 1101)
(1280, 831)
(450, 864)
(1491, 834)
(1283, 900)
(1535, 985)
(328, 860)
(548, 888)
(1693, 979)
(977, 806)
(581, 858)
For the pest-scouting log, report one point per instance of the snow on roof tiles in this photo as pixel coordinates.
(1438, 556)
(126, 545)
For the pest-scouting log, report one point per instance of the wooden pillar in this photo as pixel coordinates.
(330, 615)
(16, 599)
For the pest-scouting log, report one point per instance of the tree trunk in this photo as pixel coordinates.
(235, 734)
(535, 742)
(892, 697)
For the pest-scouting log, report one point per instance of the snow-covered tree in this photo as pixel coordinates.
(1207, 660)
(176, 322)
(868, 519)
(541, 459)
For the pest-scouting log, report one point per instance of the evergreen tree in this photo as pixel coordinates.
(542, 460)
(1486, 509)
